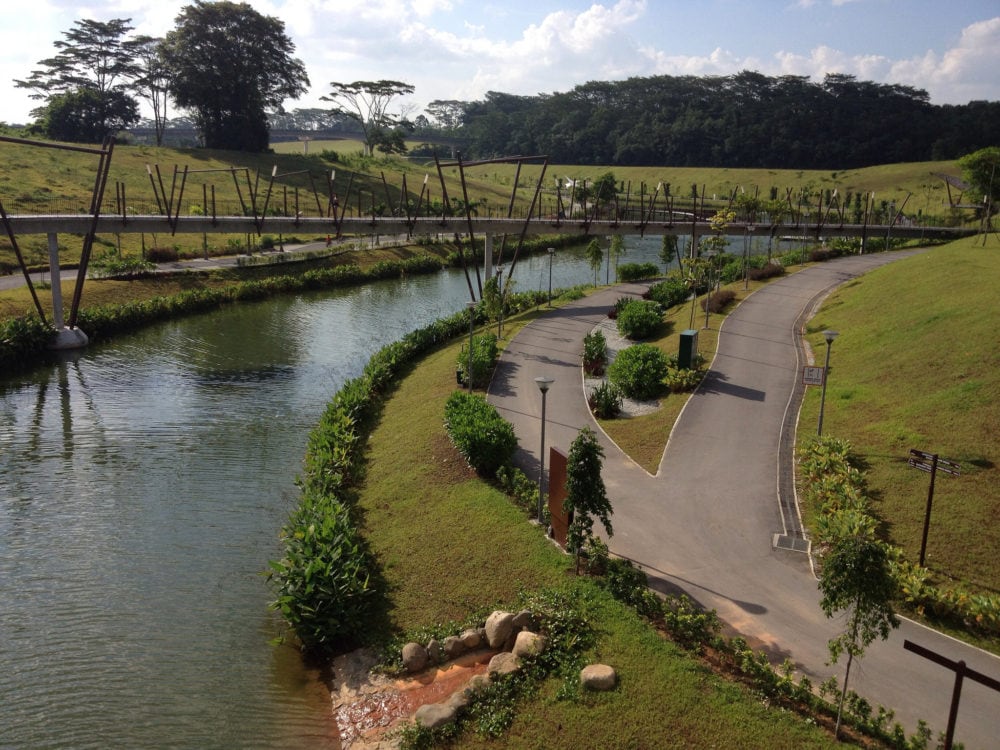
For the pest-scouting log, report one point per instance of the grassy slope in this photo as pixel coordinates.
(917, 365)
(33, 178)
(451, 545)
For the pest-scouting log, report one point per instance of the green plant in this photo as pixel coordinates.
(586, 496)
(595, 353)
(638, 371)
(680, 380)
(605, 401)
(637, 271)
(112, 265)
(716, 302)
(639, 319)
(518, 486)
(669, 293)
(479, 432)
(484, 357)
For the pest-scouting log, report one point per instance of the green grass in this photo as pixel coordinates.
(917, 365)
(451, 545)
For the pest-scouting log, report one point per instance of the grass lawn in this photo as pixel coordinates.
(917, 366)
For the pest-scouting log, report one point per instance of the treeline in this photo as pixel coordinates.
(742, 120)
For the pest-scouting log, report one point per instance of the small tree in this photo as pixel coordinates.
(616, 251)
(668, 251)
(586, 496)
(595, 255)
(856, 578)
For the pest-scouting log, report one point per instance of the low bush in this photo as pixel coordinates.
(682, 380)
(605, 401)
(767, 271)
(638, 371)
(639, 319)
(717, 301)
(617, 307)
(162, 254)
(637, 271)
(479, 433)
(595, 353)
(516, 485)
(669, 293)
(484, 357)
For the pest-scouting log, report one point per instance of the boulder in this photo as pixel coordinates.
(453, 647)
(499, 627)
(434, 651)
(414, 657)
(503, 663)
(598, 677)
(528, 644)
(524, 620)
(434, 715)
(471, 638)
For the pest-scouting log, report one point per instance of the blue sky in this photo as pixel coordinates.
(460, 49)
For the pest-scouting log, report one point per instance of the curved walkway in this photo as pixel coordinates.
(704, 524)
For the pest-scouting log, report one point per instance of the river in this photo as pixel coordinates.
(143, 484)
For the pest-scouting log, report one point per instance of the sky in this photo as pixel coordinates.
(462, 49)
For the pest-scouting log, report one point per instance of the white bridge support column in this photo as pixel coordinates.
(65, 338)
(488, 257)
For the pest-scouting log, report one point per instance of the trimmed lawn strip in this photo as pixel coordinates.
(917, 366)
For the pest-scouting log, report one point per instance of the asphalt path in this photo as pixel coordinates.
(705, 523)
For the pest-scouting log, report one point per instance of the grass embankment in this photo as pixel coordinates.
(917, 366)
(451, 545)
(42, 180)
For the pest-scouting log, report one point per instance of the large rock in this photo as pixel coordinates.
(598, 677)
(503, 663)
(499, 627)
(434, 715)
(528, 644)
(471, 638)
(434, 651)
(414, 657)
(524, 620)
(454, 647)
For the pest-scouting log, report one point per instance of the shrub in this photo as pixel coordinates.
(479, 432)
(637, 271)
(638, 371)
(682, 380)
(162, 254)
(605, 401)
(484, 357)
(767, 271)
(669, 293)
(617, 307)
(516, 484)
(639, 318)
(595, 353)
(717, 301)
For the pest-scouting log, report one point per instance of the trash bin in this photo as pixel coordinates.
(688, 350)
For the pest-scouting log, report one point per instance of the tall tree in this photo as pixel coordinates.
(229, 64)
(85, 86)
(856, 578)
(981, 170)
(151, 82)
(586, 495)
(368, 102)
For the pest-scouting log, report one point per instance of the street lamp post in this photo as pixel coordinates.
(829, 336)
(543, 385)
(552, 251)
(472, 320)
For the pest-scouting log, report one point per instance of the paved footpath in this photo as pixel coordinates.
(704, 524)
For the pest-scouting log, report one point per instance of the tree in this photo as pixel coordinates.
(87, 116)
(981, 169)
(229, 64)
(595, 256)
(668, 251)
(151, 80)
(856, 578)
(86, 84)
(586, 496)
(368, 102)
(615, 251)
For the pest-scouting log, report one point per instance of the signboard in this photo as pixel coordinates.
(812, 375)
(926, 462)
